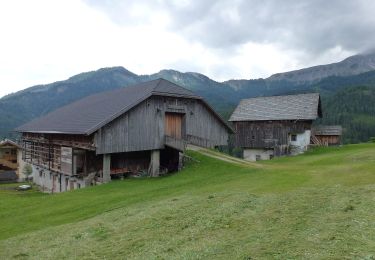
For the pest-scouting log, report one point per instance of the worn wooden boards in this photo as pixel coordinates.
(66, 160)
(173, 125)
(144, 127)
(267, 134)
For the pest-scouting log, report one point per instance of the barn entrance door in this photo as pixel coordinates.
(173, 125)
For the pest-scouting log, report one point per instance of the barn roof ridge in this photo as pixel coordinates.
(87, 115)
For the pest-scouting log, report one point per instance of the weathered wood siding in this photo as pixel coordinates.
(267, 134)
(201, 123)
(329, 139)
(143, 127)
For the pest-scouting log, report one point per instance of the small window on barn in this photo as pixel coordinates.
(253, 137)
(294, 138)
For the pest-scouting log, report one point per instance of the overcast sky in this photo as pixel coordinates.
(43, 41)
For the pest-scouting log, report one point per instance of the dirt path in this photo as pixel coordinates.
(223, 157)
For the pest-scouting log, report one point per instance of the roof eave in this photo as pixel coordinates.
(278, 119)
(50, 132)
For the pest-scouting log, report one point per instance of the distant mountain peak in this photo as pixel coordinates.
(352, 65)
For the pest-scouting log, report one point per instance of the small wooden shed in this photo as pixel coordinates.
(326, 135)
(11, 163)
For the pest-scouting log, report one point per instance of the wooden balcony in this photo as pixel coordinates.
(175, 143)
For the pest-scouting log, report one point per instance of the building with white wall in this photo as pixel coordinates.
(274, 126)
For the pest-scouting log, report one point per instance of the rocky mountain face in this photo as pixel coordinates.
(353, 65)
(22, 106)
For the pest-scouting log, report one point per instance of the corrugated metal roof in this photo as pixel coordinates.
(87, 115)
(290, 107)
(327, 130)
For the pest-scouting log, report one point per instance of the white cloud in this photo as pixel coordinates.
(43, 41)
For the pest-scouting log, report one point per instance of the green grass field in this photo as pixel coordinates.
(320, 205)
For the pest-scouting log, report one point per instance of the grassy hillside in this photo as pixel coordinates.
(318, 205)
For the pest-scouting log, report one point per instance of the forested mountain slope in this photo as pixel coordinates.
(354, 109)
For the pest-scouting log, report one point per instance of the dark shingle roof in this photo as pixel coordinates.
(327, 130)
(87, 115)
(290, 107)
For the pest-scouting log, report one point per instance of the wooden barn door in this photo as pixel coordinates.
(173, 125)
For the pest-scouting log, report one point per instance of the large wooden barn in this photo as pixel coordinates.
(274, 126)
(142, 128)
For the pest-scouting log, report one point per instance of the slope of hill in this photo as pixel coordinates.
(318, 205)
(353, 65)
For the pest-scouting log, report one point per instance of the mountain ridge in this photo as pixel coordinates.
(352, 65)
(20, 107)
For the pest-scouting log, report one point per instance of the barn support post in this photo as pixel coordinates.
(106, 168)
(155, 163)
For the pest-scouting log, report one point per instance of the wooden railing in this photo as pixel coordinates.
(176, 143)
(199, 141)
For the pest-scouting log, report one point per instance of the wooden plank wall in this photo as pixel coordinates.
(200, 122)
(267, 134)
(329, 139)
(143, 127)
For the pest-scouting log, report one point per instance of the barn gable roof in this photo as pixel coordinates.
(289, 107)
(87, 115)
(7, 142)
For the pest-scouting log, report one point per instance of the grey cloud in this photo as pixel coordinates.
(312, 26)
